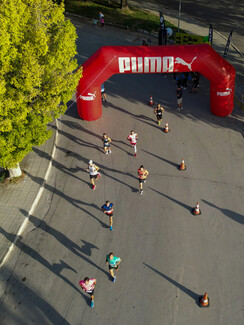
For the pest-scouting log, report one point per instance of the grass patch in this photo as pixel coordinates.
(5, 180)
(134, 18)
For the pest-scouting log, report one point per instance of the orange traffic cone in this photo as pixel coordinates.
(182, 166)
(151, 101)
(204, 301)
(196, 210)
(166, 129)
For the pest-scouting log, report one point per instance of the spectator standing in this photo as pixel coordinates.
(184, 80)
(101, 18)
(104, 96)
(88, 285)
(179, 94)
(195, 82)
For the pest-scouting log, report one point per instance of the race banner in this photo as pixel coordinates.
(186, 39)
(227, 45)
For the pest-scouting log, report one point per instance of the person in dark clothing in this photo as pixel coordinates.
(195, 82)
(179, 94)
(158, 111)
(108, 209)
(184, 79)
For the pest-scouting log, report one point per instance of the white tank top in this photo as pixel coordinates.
(132, 137)
(92, 170)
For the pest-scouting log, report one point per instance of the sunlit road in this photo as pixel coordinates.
(169, 257)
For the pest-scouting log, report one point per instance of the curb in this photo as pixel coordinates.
(35, 202)
(126, 28)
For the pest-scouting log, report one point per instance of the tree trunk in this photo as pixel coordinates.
(15, 172)
(123, 4)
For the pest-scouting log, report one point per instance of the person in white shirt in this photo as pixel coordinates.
(88, 285)
(132, 137)
(93, 171)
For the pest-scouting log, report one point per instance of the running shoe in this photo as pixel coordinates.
(98, 175)
(141, 191)
(106, 152)
(94, 187)
(111, 228)
(135, 154)
(114, 278)
(110, 151)
(92, 304)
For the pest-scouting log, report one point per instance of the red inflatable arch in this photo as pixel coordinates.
(109, 60)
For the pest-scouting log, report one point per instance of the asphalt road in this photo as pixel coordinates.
(169, 257)
(224, 15)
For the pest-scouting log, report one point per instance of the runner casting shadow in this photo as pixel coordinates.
(87, 247)
(36, 256)
(37, 306)
(231, 214)
(64, 240)
(190, 293)
(161, 158)
(187, 207)
(104, 173)
(141, 118)
(69, 199)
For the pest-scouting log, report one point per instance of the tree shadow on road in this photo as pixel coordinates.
(104, 169)
(229, 213)
(187, 291)
(76, 203)
(69, 171)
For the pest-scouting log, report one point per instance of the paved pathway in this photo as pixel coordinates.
(177, 256)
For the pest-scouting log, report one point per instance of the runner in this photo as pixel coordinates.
(106, 143)
(88, 285)
(108, 210)
(93, 171)
(132, 137)
(159, 113)
(142, 175)
(113, 264)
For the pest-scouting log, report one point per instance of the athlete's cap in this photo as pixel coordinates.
(90, 161)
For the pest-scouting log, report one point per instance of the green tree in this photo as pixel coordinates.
(37, 79)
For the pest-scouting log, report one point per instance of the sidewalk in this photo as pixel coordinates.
(22, 195)
(13, 198)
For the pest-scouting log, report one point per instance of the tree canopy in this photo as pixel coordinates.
(37, 79)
